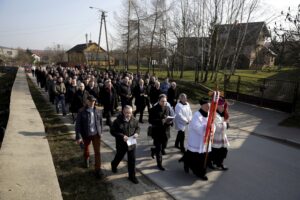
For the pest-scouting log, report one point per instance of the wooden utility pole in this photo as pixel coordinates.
(103, 21)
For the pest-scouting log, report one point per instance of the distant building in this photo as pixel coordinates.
(7, 54)
(88, 54)
(250, 37)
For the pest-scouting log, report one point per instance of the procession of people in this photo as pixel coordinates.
(82, 92)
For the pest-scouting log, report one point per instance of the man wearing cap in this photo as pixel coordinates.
(88, 129)
(220, 142)
(194, 157)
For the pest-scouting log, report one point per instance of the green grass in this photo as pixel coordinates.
(76, 182)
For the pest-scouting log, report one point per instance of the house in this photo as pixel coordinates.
(246, 41)
(250, 38)
(7, 54)
(88, 54)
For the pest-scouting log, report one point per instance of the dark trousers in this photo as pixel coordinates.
(140, 109)
(159, 147)
(121, 151)
(179, 142)
(195, 161)
(95, 139)
(60, 99)
(217, 155)
(107, 112)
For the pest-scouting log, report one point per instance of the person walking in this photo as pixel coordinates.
(60, 91)
(220, 142)
(182, 119)
(160, 121)
(140, 94)
(107, 98)
(88, 129)
(125, 128)
(194, 157)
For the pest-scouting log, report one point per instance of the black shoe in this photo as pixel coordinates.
(223, 167)
(163, 152)
(211, 166)
(152, 153)
(133, 179)
(204, 178)
(99, 174)
(186, 168)
(113, 169)
(160, 167)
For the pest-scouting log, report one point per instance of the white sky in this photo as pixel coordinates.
(37, 24)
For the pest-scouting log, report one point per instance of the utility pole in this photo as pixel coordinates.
(102, 21)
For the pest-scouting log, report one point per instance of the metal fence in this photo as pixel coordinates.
(277, 94)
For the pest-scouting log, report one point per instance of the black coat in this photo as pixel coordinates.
(140, 96)
(108, 98)
(78, 100)
(160, 131)
(120, 128)
(172, 96)
(154, 94)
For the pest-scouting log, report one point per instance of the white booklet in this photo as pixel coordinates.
(131, 141)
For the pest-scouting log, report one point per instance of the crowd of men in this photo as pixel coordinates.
(77, 92)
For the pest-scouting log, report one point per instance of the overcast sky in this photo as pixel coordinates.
(37, 24)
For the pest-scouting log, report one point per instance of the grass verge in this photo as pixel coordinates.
(76, 182)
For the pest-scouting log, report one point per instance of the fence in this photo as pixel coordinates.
(277, 94)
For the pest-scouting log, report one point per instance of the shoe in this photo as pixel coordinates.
(204, 178)
(152, 153)
(163, 152)
(133, 179)
(210, 166)
(223, 167)
(113, 169)
(160, 167)
(99, 174)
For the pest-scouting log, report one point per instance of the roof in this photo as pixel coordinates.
(81, 47)
(253, 29)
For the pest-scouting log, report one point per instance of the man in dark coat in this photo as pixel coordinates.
(79, 98)
(89, 129)
(140, 94)
(125, 92)
(158, 118)
(125, 128)
(107, 99)
(172, 95)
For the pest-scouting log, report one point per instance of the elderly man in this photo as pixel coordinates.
(107, 99)
(89, 129)
(125, 129)
(125, 92)
(172, 95)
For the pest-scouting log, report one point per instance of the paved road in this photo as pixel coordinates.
(259, 169)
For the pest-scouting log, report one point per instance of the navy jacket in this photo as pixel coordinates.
(82, 122)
